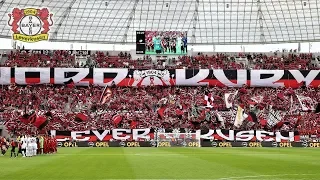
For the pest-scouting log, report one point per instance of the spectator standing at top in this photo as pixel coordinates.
(184, 44)
(157, 45)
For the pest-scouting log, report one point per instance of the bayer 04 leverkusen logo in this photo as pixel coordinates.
(30, 24)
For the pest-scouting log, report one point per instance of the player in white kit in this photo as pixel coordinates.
(24, 145)
(34, 146)
(29, 147)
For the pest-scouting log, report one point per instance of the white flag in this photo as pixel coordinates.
(306, 103)
(224, 116)
(209, 100)
(257, 99)
(229, 99)
(240, 117)
(274, 117)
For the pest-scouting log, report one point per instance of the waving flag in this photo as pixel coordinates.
(106, 95)
(208, 100)
(220, 118)
(70, 83)
(116, 119)
(306, 103)
(160, 111)
(275, 117)
(38, 121)
(229, 99)
(257, 99)
(133, 124)
(194, 112)
(81, 117)
(240, 116)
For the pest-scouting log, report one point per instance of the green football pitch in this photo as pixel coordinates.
(166, 163)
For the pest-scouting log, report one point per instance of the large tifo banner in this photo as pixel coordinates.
(143, 77)
(150, 135)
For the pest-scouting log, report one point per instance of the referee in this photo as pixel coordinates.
(13, 148)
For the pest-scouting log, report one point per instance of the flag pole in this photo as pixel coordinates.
(103, 92)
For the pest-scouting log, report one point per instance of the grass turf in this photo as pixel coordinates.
(166, 163)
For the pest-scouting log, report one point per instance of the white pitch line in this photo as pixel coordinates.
(261, 176)
(141, 155)
(151, 154)
(227, 178)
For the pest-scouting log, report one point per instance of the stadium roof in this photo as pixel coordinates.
(207, 21)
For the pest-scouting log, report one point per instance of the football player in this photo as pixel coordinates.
(29, 146)
(34, 146)
(24, 145)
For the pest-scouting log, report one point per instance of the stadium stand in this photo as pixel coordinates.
(160, 80)
(21, 58)
(151, 107)
(80, 108)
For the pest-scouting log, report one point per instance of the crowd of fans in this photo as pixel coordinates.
(152, 107)
(21, 58)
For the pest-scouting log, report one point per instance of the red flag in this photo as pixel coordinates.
(28, 119)
(38, 121)
(106, 95)
(41, 122)
(299, 117)
(179, 112)
(253, 103)
(160, 111)
(24, 119)
(252, 117)
(116, 119)
(208, 100)
(133, 125)
(279, 124)
(70, 83)
(80, 117)
(263, 122)
(280, 96)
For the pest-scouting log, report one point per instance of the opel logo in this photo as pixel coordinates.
(91, 144)
(275, 144)
(184, 144)
(122, 144)
(214, 144)
(59, 144)
(305, 144)
(153, 144)
(244, 144)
